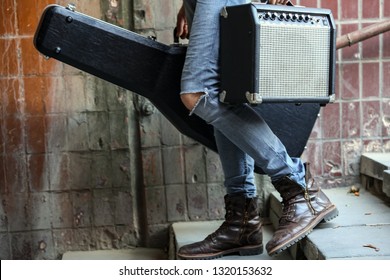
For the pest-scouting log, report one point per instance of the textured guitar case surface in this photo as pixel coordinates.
(152, 70)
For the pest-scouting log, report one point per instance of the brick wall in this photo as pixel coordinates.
(359, 120)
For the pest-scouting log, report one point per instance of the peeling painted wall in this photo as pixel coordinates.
(68, 168)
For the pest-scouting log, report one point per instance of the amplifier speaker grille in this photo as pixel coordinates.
(295, 53)
(277, 54)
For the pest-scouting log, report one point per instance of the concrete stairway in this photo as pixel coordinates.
(123, 254)
(183, 233)
(361, 231)
(375, 173)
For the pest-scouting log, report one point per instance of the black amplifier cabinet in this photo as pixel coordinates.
(273, 53)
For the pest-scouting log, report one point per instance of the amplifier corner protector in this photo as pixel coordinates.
(332, 98)
(254, 98)
(222, 96)
(224, 12)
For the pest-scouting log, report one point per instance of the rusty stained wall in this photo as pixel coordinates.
(67, 169)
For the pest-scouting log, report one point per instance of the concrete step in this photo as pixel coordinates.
(361, 231)
(183, 233)
(375, 170)
(135, 253)
(386, 182)
(373, 164)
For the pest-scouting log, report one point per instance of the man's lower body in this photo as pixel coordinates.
(243, 139)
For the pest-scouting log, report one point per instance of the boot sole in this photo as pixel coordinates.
(331, 213)
(242, 251)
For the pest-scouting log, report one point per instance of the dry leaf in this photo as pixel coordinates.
(355, 190)
(371, 246)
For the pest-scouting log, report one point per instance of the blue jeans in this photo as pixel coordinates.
(243, 137)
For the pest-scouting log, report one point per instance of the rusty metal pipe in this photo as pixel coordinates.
(362, 34)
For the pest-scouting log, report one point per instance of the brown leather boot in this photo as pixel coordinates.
(240, 233)
(303, 209)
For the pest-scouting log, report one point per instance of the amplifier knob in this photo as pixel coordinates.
(325, 21)
(282, 16)
(300, 17)
(274, 16)
(294, 17)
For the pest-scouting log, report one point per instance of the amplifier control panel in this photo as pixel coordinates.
(298, 18)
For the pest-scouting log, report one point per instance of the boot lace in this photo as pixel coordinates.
(287, 213)
(308, 199)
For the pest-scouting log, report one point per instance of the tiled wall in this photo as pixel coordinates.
(359, 120)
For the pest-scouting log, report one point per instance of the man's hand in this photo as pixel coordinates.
(181, 24)
(278, 2)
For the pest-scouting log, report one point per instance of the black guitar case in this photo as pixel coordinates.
(153, 70)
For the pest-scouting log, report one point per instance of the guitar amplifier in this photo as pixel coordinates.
(273, 53)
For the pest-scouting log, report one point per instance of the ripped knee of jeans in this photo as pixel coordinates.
(201, 98)
(195, 100)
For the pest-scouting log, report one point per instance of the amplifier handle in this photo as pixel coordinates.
(288, 3)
